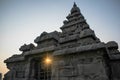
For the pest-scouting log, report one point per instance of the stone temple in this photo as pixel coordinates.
(73, 54)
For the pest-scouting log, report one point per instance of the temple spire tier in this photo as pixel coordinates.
(75, 18)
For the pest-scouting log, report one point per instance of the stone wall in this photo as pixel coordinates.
(81, 66)
(17, 71)
(115, 68)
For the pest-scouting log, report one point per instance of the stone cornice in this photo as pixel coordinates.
(79, 49)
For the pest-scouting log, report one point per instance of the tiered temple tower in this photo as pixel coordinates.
(74, 54)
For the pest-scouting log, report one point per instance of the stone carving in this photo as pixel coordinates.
(28, 47)
(47, 39)
(77, 54)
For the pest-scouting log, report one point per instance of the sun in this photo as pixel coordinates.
(48, 60)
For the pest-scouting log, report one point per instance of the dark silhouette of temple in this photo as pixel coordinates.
(73, 54)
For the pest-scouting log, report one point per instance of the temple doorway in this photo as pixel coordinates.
(39, 70)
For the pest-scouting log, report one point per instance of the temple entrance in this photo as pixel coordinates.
(40, 71)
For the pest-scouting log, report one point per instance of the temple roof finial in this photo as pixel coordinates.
(75, 8)
(74, 5)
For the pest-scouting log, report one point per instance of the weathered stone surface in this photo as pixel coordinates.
(89, 66)
(28, 47)
(76, 54)
(14, 58)
(112, 44)
(115, 66)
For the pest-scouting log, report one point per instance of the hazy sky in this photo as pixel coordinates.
(21, 21)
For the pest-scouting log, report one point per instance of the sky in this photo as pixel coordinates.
(21, 21)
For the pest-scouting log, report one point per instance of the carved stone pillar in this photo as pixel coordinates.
(27, 72)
